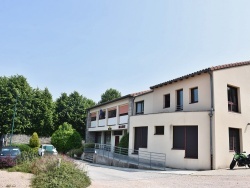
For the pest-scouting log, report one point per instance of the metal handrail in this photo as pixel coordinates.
(152, 160)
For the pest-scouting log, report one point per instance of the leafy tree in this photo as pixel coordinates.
(43, 107)
(66, 138)
(34, 140)
(110, 94)
(15, 90)
(72, 109)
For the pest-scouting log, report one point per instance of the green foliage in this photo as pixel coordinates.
(66, 138)
(110, 94)
(48, 174)
(72, 109)
(22, 147)
(76, 152)
(124, 141)
(34, 140)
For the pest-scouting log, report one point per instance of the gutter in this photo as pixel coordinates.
(211, 119)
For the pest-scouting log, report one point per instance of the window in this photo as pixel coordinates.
(112, 113)
(140, 107)
(186, 138)
(234, 140)
(167, 101)
(232, 96)
(93, 116)
(159, 130)
(179, 95)
(194, 95)
(117, 133)
(102, 114)
(123, 110)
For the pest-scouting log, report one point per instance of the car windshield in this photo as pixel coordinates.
(49, 148)
(8, 151)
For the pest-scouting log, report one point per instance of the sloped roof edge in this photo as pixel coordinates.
(215, 68)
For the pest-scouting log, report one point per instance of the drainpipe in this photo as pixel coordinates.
(211, 119)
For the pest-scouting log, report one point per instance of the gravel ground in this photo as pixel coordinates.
(15, 179)
(113, 177)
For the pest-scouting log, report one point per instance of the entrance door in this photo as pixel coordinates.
(141, 138)
(117, 140)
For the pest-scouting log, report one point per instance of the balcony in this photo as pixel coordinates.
(93, 124)
(112, 121)
(102, 123)
(123, 119)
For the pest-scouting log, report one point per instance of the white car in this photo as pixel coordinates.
(47, 149)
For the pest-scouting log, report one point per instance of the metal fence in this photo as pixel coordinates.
(141, 159)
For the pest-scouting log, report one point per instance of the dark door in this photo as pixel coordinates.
(117, 140)
(141, 138)
(191, 142)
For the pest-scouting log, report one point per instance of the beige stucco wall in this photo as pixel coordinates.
(154, 101)
(238, 77)
(164, 143)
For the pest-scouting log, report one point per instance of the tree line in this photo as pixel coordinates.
(37, 112)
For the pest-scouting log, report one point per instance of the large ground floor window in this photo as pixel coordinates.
(186, 138)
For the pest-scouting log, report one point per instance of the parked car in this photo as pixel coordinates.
(8, 156)
(47, 149)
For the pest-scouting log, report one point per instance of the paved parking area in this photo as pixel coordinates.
(113, 177)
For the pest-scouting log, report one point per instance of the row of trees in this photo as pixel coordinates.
(37, 112)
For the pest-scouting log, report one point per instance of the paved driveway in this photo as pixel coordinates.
(113, 177)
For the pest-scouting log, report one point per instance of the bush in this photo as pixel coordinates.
(66, 138)
(7, 162)
(34, 140)
(124, 141)
(75, 152)
(22, 147)
(48, 174)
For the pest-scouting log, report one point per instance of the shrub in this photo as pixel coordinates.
(7, 162)
(66, 138)
(22, 147)
(48, 174)
(75, 152)
(124, 141)
(34, 140)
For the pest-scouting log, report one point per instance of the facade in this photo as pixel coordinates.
(108, 122)
(197, 120)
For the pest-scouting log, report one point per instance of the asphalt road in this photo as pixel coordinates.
(113, 177)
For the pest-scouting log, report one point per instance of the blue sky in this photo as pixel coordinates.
(90, 46)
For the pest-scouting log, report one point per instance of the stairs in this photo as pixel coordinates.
(88, 157)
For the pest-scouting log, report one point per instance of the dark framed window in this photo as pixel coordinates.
(186, 138)
(117, 133)
(98, 137)
(179, 95)
(167, 101)
(139, 107)
(194, 95)
(234, 139)
(159, 130)
(93, 118)
(112, 113)
(232, 95)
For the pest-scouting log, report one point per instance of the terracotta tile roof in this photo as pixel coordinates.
(220, 67)
(123, 97)
(140, 93)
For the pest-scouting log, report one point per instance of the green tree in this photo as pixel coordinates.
(72, 109)
(15, 90)
(42, 117)
(34, 140)
(109, 95)
(66, 138)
